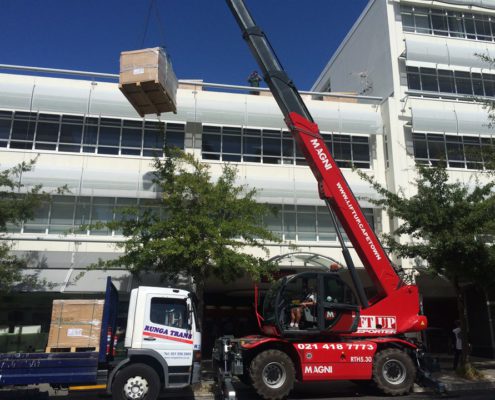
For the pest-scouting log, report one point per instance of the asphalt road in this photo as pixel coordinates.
(316, 391)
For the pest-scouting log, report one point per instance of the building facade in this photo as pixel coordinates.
(412, 68)
(426, 59)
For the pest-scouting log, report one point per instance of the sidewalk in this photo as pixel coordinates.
(454, 382)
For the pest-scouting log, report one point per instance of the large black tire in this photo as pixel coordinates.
(136, 382)
(394, 372)
(272, 374)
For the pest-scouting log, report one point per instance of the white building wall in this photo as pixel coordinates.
(362, 63)
(63, 256)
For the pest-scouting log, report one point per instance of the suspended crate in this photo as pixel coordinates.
(148, 81)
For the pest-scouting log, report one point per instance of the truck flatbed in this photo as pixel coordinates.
(56, 368)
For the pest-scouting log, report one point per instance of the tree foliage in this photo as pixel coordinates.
(447, 223)
(200, 228)
(16, 205)
(450, 226)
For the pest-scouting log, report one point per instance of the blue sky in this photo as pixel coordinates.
(201, 36)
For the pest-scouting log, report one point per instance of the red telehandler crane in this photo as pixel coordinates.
(340, 338)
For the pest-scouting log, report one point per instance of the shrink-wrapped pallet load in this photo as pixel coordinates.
(148, 81)
(75, 324)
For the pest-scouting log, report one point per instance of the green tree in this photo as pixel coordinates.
(16, 205)
(445, 224)
(200, 227)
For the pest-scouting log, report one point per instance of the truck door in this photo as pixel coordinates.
(167, 329)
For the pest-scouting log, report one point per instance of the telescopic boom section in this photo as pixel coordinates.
(332, 185)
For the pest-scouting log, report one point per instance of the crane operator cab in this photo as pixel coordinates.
(310, 303)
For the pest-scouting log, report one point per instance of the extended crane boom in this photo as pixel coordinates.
(337, 339)
(332, 186)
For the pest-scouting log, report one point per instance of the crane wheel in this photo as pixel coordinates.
(393, 372)
(272, 373)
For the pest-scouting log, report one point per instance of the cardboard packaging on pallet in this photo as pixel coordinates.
(75, 324)
(148, 81)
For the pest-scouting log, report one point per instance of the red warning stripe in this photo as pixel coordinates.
(167, 337)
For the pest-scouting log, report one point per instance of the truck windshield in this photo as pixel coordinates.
(269, 304)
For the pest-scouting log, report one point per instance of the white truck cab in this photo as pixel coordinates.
(163, 343)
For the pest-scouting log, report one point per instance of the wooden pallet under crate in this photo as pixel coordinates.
(148, 97)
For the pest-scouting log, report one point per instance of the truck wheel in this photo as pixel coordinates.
(136, 382)
(393, 372)
(272, 374)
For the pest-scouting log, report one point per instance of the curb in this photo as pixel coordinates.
(459, 387)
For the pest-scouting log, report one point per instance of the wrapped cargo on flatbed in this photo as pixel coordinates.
(75, 324)
(148, 81)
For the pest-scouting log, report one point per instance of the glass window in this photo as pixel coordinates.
(272, 146)
(231, 144)
(102, 211)
(360, 152)
(456, 27)
(370, 217)
(342, 150)
(47, 132)
(422, 21)
(446, 81)
(436, 147)
(420, 146)
(90, 135)
(212, 146)
(407, 20)
(169, 312)
(458, 151)
(439, 23)
(131, 137)
(271, 150)
(175, 135)
(486, 148)
(62, 214)
(39, 223)
(252, 148)
(290, 222)
(131, 141)
(273, 222)
(482, 28)
(153, 141)
(489, 84)
(413, 78)
(429, 80)
(23, 130)
(71, 134)
(21, 145)
(326, 229)
(469, 26)
(447, 22)
(455, 153)
(83, 212)
(152, 208)
(463, 82)
(109, 136)
(477, 84)
(287, 148)
(306, 223)
(5, 125)
(472, 150)
(122, 211)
